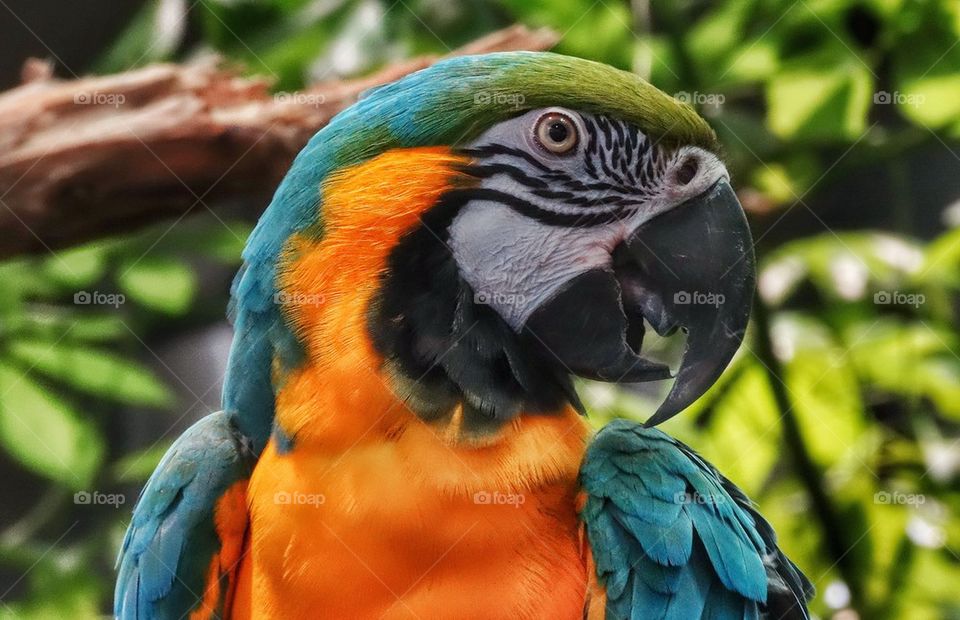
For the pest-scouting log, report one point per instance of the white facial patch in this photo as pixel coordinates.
(515, 263)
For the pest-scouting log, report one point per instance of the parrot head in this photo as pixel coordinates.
(579, 204)
(582, 227)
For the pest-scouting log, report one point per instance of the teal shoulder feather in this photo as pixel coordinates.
(169, 543)
(672, 538)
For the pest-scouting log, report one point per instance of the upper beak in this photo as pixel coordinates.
(695, 265)
(690, 268)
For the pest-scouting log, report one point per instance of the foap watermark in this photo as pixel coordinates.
(298, 498)
(897, 298)
(287, 298)
(496, 498)
(882, 97)
(96, 498)
(698, 98)
(698, 298)
(496, 298)
(895, 498)
(311, 99)
(703, 499)
(96, 298)
(498, 98)
(97, 98)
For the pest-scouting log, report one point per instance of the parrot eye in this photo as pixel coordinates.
(556, 133)
(687, 171)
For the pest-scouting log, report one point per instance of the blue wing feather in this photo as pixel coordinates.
(175, 514)
(672, 538)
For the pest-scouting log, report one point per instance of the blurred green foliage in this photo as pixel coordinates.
(841, 414)
(72, 364)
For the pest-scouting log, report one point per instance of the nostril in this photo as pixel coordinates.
(687, 170)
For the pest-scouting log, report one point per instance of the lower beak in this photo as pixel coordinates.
(691, 268)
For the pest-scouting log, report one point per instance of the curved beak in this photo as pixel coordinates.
(691, 268)
(695, 264)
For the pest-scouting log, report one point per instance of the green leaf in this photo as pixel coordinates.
(931, 100)
(76, 267)
(754, 62)
(20, 280)
(714, 39)
(910, 359)
(97, 328)
(784, 182)
(277, 39)
(159, 283)
(44, 434)
(50, 323)
(93, 371)
(61, 586)
(942, 261)
(776, 183)
(926, 81)
(151, 36)
(744, 432)
(826, 398)
(291, 57)
(820, 101)
(658, 53)
(939, 380)
(931, 587)
(604, 35)
(601, 30)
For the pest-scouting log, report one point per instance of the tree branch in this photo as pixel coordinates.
(80, 159)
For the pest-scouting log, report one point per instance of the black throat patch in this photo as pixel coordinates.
(443, 348)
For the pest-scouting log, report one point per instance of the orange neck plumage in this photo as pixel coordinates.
(330, 283)
(411, 522)
(341, 394)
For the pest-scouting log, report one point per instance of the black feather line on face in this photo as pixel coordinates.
(490, 150)
(449, 349)
(582, 204)
(585, 219)
(591, 212)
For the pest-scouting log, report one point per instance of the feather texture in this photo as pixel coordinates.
(672, 538)
(173, 537)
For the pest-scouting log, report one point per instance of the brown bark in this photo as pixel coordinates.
(83, 158)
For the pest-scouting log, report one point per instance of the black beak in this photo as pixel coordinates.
(690, 268)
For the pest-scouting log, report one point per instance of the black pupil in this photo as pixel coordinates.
(558, 131)
(687, 171)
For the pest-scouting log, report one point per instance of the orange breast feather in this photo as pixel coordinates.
(375, 513)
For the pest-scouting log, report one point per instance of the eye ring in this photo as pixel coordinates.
(557, 133)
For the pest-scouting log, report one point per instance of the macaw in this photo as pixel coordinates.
(401, 435)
